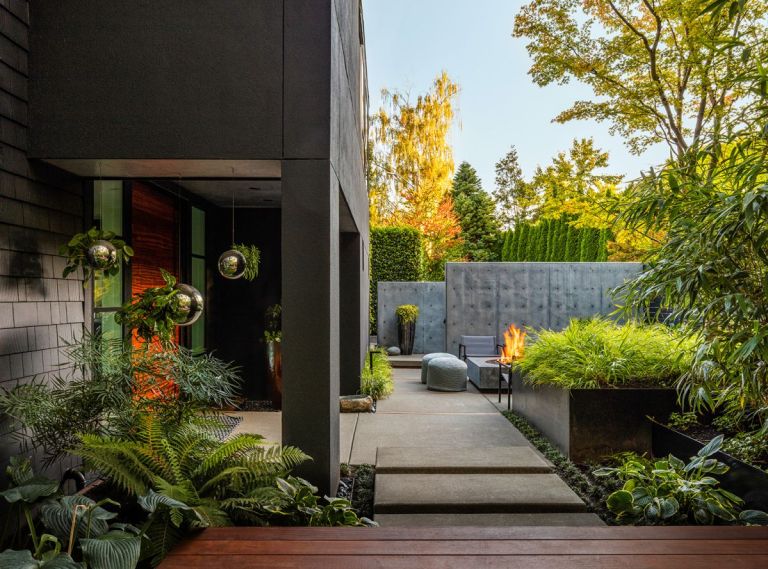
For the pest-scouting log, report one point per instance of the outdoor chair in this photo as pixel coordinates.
(478, 347)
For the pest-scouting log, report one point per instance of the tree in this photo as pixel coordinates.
(516, 200)
(573, 244)
(661, 70)
(414, 162)
(532, 245)
(474, 209)
(522, 245)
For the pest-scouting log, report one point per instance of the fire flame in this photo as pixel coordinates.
(514, 344)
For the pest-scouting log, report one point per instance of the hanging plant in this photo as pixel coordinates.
(252, 256)
(95, 250)
(155, 312)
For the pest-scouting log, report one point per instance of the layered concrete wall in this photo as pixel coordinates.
(430, 327)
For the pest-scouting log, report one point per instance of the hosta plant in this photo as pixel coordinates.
(670, 492)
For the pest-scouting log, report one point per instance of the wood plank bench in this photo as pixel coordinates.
(487, 548)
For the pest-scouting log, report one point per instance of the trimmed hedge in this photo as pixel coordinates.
(396, 255)
(555, 240)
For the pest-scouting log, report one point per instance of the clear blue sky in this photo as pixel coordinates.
(408, 42)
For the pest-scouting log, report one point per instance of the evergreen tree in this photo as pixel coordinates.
(522, 243)
(590, 244)
(530, 248)
(562, 239)
(505, 245)
(605, 236)
(542, 250)
(554, 233)
(474, 209)
(512, 254)
(572, 244)
(515, 198)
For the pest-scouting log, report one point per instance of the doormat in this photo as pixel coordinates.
(228, 424)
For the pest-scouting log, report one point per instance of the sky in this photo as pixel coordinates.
(408, 43)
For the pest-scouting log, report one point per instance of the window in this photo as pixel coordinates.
(108, 290)
(197, 332)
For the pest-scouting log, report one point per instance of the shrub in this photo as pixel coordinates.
(749, 447)
(407, 313)
(572, 244)
(522, 244)
(377, 382)
(683, 421)
(598, 353)
(396, 255)
(669, 491)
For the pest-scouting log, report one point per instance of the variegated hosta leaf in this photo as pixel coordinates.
(32, 489)
(115, 549)
(10, 559)
(57, 516)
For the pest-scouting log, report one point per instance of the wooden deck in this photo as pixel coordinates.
(476, 548)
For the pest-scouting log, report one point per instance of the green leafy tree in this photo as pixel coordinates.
(512, 253)
(516, 200)
(474, 209)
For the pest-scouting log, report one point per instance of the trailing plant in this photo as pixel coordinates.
(154, 312)
(751, 448)
(108, 387)
(671, 492)
(377, 381)
(76, 527)
(407, 313)
(599, 353)
(76, 252)
(273, 323)
(252, 255)
(683, 421)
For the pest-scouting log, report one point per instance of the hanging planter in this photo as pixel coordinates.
(189, 304)
(240, 260)
(95, 250)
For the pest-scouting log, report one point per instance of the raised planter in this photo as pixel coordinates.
(744, 480)
(589, 424)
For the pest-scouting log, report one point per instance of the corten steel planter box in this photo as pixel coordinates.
(589, 424)
(744, 480)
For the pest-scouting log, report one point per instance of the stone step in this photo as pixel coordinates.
(457, 460)
(412, 361)
(473, 494)
(488, 520)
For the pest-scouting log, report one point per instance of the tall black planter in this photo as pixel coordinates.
(406, 331)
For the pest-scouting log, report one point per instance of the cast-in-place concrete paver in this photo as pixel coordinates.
(470, 460)
(488, 520)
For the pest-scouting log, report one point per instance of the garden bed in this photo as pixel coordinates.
(744, 480)
(589, 424)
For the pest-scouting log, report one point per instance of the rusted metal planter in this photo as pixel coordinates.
(275, 373)
(589, 424)
(406, 334)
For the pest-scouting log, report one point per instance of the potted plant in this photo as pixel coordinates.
(591, 387)
(407, 314)
(273, 335)
(240, 261)
(95, 250)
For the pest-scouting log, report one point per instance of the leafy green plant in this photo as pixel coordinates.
(377, 382)
(751, 448)
(252, 256)
(599, 353)
(273, 323)
(76, 252)
(683, 421)
(407, 313)
(109, 387)
(296, 503)
(153, 313)
(669, 491)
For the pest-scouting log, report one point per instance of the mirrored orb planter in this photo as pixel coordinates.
(189, 304)
(231, 264)
(101, 255)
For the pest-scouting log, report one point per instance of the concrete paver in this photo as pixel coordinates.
(470, 460)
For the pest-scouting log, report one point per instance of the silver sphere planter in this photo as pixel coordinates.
(189, 304)
(231, 264)
(101, 255)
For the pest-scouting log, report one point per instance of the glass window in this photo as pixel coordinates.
(107, 290)
(197, 339)
(198, 232)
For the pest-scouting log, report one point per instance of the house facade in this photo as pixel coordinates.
(177, 124)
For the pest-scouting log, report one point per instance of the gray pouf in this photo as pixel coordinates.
(427, 358)
(447, 374)
(393, 351)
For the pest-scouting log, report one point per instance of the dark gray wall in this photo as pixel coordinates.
(166, 79)
(40, 208)
(430, 327)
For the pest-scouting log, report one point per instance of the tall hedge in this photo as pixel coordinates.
(573, 244)
(522, 242)
(590, 245)
(512, 252)
(396, 255)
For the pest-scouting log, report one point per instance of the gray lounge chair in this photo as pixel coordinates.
(478, 347)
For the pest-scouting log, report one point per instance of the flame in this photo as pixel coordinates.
(514, 344)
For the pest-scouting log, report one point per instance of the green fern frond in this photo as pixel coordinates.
(227, 452)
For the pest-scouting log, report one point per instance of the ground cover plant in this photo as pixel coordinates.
(599, 353)
(377, 381)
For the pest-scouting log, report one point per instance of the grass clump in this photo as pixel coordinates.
(598, 353)
(377, 381)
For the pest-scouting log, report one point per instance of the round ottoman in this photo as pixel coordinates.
(447, 374)
(427, 358)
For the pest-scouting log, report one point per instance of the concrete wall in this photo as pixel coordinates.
(484, 298)
(430, 327)
(40, 208)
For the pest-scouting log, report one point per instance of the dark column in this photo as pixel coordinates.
(352, 352)
(310, 234)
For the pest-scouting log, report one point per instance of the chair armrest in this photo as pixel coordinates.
(462, 348)
(499, 349)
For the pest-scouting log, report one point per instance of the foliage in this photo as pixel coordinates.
(187, 478)
(110, 386)
(589, 248)
(153, 313)
(396, 255)
(667, 70)
(669, 491)
(407, 313)
(749, 447)
(273, 323)
(296, 504)
(377, 382)
(683, 421)
(77, 248)
(598, 353)
(252, 256)
(363, 489)
(475, 211)
(414, 163)
(516, 200)
(556, 240)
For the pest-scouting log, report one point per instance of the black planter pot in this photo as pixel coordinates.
(744, 480)
(406, 332)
